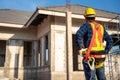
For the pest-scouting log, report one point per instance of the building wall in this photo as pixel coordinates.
(55, 28)
(14, 38)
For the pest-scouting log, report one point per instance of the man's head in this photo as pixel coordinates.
(90, 14)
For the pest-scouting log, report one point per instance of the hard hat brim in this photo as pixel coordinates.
(90, 15)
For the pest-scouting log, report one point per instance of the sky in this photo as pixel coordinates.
(31, 5)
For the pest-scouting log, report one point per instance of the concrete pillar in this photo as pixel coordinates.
(13, 49)
(39, 53)
(12, 58)
(69, 46)
(42, 51)
(35, 53)
(20, 50)
(52, 44)
(7, 60)
(21, 55)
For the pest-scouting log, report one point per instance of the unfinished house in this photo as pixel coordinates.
(33, 46)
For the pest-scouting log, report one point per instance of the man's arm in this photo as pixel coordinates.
(79, 37)
(108, 40)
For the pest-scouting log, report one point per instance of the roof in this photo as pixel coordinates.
(79, 9)
(14, 16)
(22, 17)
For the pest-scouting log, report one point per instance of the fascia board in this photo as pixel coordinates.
(11, 25)
(63, 14)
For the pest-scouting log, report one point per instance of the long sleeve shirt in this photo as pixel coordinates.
(84, 35)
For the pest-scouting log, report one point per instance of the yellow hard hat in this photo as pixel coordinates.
(89, 11)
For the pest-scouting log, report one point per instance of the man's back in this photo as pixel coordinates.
(84, 35)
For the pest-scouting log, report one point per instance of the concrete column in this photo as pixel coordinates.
(21, 54)
(35, 53)
(13, 49)
(7, 60)
(42, 51)
(69, 46)
(52, 44)
(12, 58)
(39, 53)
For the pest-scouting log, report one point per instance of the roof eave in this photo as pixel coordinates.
(60, 14)
(35, 14)
(11, 25)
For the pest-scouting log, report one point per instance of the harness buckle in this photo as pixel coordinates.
(91, 63)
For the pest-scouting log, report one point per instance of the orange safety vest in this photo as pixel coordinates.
(96, 43)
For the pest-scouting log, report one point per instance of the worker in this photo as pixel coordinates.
(91, 35)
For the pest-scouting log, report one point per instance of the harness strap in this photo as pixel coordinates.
(92, 41)
(90, 46)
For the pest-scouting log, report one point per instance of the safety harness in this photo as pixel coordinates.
(96, 47)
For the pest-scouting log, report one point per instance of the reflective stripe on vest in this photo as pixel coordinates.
(98, 31)
(96, 43)
(98, 56)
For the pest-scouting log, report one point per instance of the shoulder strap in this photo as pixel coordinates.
(92, 40)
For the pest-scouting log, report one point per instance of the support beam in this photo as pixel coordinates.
(69, 46)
